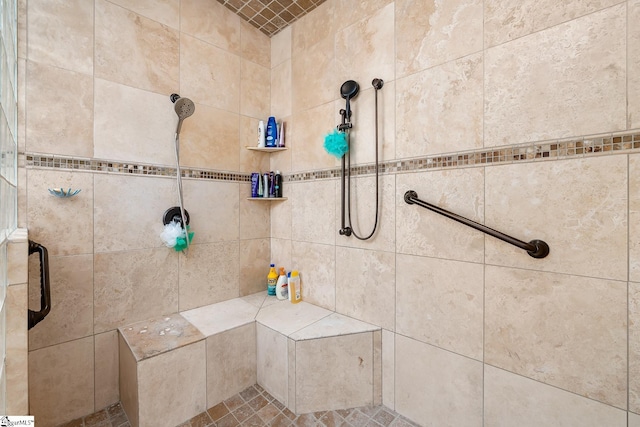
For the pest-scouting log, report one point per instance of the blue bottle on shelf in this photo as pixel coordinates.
(272, 132)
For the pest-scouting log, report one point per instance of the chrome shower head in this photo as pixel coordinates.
(184, 108)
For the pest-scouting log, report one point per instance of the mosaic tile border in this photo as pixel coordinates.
(603, 144)
(128, 168)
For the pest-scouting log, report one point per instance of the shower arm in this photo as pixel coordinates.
(535, 248)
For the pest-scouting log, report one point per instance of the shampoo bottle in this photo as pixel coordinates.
(282, 285)
(272, 279)
(272, 132)
(295, 288)
(261, 136)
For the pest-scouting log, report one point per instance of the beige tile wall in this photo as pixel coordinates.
(472, 325)
(467, 319)
(95, 85)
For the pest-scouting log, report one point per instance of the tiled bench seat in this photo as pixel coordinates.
(174, 367)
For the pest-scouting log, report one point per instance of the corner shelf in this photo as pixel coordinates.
(266, 199)
(267, 149)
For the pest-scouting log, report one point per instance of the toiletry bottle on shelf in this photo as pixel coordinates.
(261, 135)
(272, 279)
(272, 184)
(295, 287)
(282, 285)
(278, 184)
(265, 185)
(281, 135)
(272, 132)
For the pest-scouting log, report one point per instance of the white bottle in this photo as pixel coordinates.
(261, 137)
(281, 286)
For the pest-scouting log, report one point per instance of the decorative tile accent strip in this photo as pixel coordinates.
(530, 152)
(89, 165)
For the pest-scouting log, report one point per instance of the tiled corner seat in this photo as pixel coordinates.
(309, 358)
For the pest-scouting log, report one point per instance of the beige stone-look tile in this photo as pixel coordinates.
(210, 139)
(314, 81)
(209, 75)
(347, 366)
(281, 217)
(212, 23)
(134, 285)
(118, 229)
(388, 369)
(363, 213)
(430, 33)
(221, 317)
(504, 21)
(213, 209)
(365, 285)
(106, 369)
(580, 220)
(166, 12)
(317, 266)
(151, 49)
(255, 46)
(287, 318)
(159, 335)
(281, 90)
(209, 274)
(563, 81)
(313, 28)
(133, 124)
(60, 33)
(290, 403)
(172, 386)
(444, 117)
(254, 260)
(17, 346)
(436, 387)
(440, 302)
(57, 393)
(633, 64)
(128, 381)
(60, 115)
(281, 47)
(256, 299)
(512, 400)
(350, 12)
(634, 217)
(553, 328)
(634, 420)
(255, 90)
(422, 232)
(22, 28)
(281, 250)
(22, 198)
(63, 225)
(312, 211)
(71, 315)
(231, 363)
(364, 50)
(306, 135)
(333, 325)
(634, 346)
(272, 362)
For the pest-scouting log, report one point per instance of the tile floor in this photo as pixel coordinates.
(254, 407)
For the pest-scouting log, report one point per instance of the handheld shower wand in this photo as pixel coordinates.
(348, 90)
(184, 108)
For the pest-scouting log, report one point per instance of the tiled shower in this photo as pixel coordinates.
(524, 116)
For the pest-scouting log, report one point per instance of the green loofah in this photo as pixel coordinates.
(181, 242)
(336, 144)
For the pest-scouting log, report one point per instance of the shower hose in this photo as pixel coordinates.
(375, 225)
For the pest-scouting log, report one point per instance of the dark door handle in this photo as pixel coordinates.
(45, 290)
